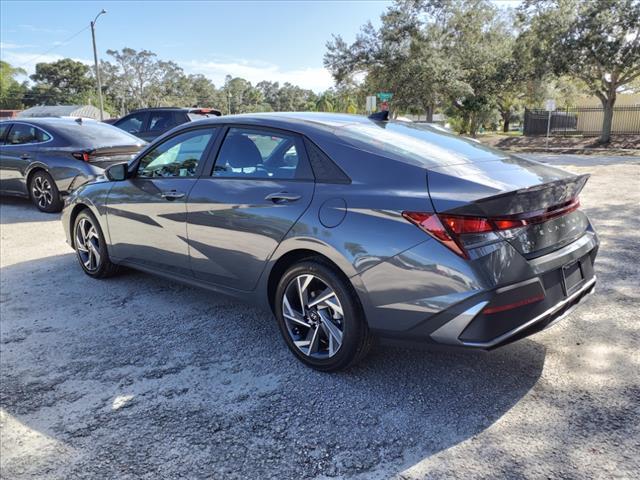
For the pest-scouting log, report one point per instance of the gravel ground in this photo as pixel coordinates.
(139, 378)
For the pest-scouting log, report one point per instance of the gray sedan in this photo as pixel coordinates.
(348, 229)
(45, 158)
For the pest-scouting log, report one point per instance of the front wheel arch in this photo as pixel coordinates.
(72, 219)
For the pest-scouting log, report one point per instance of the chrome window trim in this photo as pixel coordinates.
(51, 137)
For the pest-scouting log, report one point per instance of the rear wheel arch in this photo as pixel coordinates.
(30, 173)
(289, 259)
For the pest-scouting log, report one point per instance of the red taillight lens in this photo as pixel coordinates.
(452, 229)
(460, 225)
(430, 223)
(84, 156)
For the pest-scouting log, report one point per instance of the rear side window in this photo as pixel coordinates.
(323, 167)
(261, 154)
(22, 134)
(96, 134)
(161, 121)
(133, 123)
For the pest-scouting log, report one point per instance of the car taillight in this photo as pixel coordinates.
(84, 156)
(430, 223)
(458, 232)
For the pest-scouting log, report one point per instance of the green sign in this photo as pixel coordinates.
(385, 96)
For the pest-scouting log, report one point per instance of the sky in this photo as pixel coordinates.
(258, 40)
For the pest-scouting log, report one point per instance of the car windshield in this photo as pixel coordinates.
(96, 134)
(416, 144)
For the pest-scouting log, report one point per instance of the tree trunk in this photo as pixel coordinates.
(607, 121)
(429, 114)
(608, 101)
(505, 118)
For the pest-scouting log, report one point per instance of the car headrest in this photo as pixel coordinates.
(239, 151)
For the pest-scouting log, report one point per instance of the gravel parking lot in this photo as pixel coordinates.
(139, 378)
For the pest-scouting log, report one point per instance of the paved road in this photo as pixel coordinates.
(140, 378)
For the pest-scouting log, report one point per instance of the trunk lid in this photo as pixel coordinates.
(513, 189)
(103, 157)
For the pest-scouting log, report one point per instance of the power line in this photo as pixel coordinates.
(64, 42)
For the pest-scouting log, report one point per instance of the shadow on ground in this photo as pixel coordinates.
(136, 376)
(19, 210)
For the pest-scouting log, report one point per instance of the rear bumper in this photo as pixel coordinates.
(501, 298)
(527, 327)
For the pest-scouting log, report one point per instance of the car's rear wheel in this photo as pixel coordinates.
(91, 248)
(44, 192)
(320, 316)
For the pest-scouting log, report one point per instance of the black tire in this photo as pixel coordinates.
(356, 338)
(44, 193)
(101, 266)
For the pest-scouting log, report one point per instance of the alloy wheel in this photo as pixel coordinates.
(42, 191)
(88, 244)
(313, 316)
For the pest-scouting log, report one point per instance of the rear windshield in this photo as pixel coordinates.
(96, 134)
(417, 144)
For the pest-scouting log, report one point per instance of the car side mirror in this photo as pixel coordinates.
(117, 172)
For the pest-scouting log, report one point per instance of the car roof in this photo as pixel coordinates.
(49, 121)
(302, 122)
(173, 109)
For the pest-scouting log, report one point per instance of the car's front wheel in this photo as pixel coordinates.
(91, 248)
(320, 316)
(44, 192)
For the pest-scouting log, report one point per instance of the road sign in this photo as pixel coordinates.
(371, 103)
(550, 104)
(385, 96)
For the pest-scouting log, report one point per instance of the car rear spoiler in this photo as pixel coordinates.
(206, 111)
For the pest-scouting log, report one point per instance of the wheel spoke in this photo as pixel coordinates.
(322, 297)
(290, 314)
(315, 340)
(332, 329)
(88, 261)
(334, 305)
(94, 251)
(303, 282)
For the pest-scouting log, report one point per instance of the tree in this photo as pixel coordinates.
(62, 82)
(11, 91)
(402, 57)
(596, 41)
(431, 52)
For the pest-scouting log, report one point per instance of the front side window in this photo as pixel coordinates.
(21, 134)
(260, 154)
(132, 124)
(161, 121)
(177, 157)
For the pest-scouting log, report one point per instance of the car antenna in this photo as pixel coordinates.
(79, 120)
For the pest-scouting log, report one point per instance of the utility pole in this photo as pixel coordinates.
(95, 59)
(229, 102)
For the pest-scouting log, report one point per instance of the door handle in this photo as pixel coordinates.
(283, 197)
(25, 156)
(172, 195)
